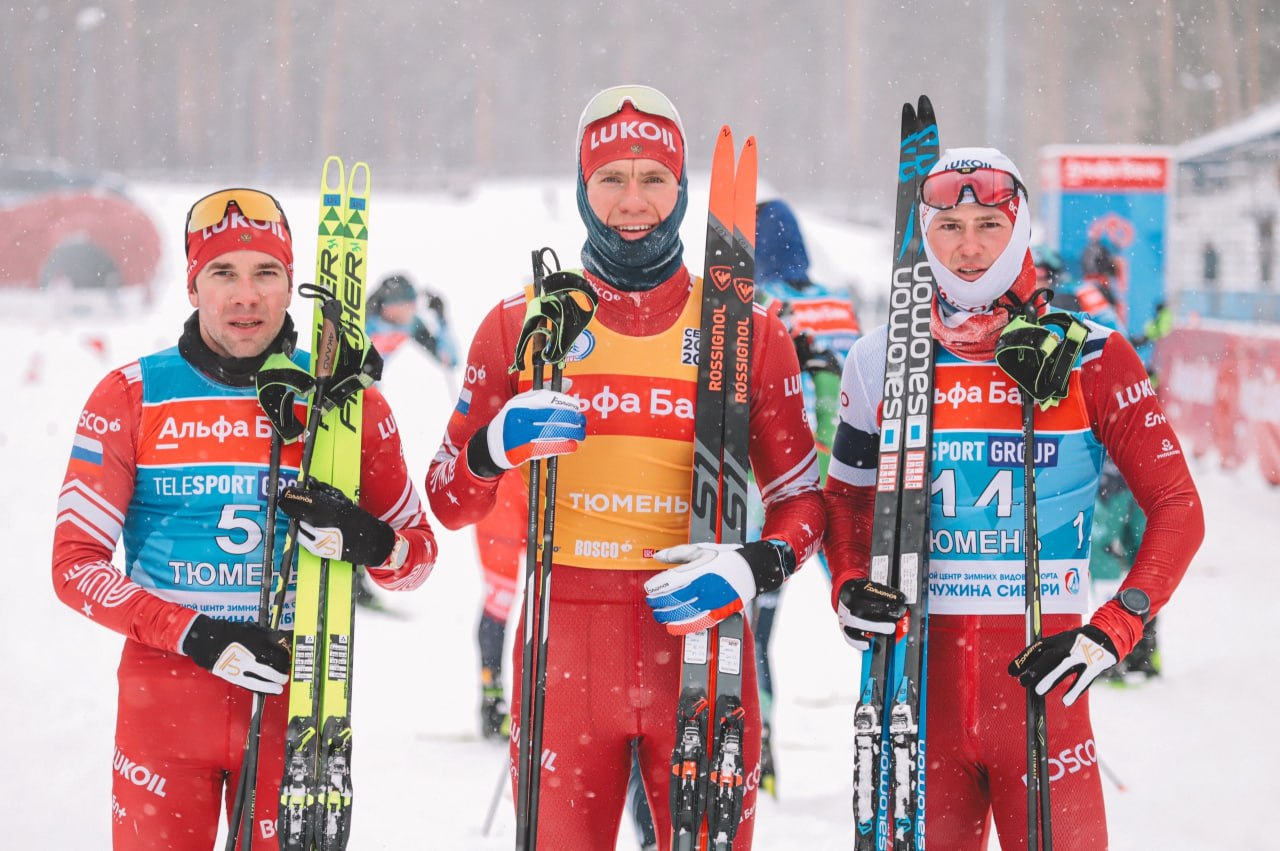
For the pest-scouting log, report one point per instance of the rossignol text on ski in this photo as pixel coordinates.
(707, 768)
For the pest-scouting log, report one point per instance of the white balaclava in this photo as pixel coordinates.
(969, 298)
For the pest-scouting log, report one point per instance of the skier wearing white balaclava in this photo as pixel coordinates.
(966, 317)
(971, 297)
(976, 223)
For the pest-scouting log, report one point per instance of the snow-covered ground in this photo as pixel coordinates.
(1192, 750)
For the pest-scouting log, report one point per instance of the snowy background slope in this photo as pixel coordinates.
(1194, 750)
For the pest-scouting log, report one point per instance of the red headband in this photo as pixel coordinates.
(629, 134)
(237, 233)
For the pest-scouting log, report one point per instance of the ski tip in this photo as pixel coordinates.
(725, 137)
(908, 119)
(360, 176)
(924, 111)
(332, 164)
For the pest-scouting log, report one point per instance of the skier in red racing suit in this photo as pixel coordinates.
(624, 427)
(172, 454)
(977, 225)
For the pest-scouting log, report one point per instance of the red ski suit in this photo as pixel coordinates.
(613, 672)
(175, 462)
(500, 542)
(975, 711)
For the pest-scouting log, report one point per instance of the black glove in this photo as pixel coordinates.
(434, 303)
(1086, 651)
(869, 607)
(813, 359)
(243, 654)
(356, 370)
(803, 341)
(332, 526)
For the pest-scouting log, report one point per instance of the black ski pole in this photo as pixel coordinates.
(544, 591)
(529, 761)
(556, 317)
(1038, 353)
(1039, 814)
(326, 361)
(241, 820)
(503, 779)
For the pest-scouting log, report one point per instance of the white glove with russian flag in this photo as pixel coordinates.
(714, 581)
(532, 425)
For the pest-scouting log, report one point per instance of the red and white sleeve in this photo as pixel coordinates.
(783, 455)
(1131, 423)
(458, 497)
(95, 496)
(387, 491)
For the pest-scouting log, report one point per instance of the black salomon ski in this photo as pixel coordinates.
(708, 776)
(889, 761)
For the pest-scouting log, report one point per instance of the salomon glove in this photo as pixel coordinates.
(330, 525)
(868, 607)
(714, 581)
(1085, 652)
(243, 654)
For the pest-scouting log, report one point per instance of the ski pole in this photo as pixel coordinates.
(241, 819)
(1110, 774)
(503, 780)
(557, 317)
(326, 360)
(1039, 812)
(529, 762)
(544, 600)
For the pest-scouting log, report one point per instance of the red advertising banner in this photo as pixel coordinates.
(1113, 172)
(1221, 391)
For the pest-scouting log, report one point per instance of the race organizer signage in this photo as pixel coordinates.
(1105, 208)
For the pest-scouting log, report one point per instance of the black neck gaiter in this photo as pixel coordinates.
(234, 372)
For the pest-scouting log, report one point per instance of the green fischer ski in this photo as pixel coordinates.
(315, 793)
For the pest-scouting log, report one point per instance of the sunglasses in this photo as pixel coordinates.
(252, 203)
(643, 98)
(989, 187)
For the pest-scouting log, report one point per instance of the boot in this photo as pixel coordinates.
(768, 777)
(495, 720)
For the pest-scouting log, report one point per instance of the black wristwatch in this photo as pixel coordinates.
(1136, 602)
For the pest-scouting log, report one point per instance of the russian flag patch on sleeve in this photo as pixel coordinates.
(86, 449)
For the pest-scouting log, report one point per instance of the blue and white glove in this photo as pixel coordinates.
(714, 581)
(868, 607)
(1086, 652)
(535, 424)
